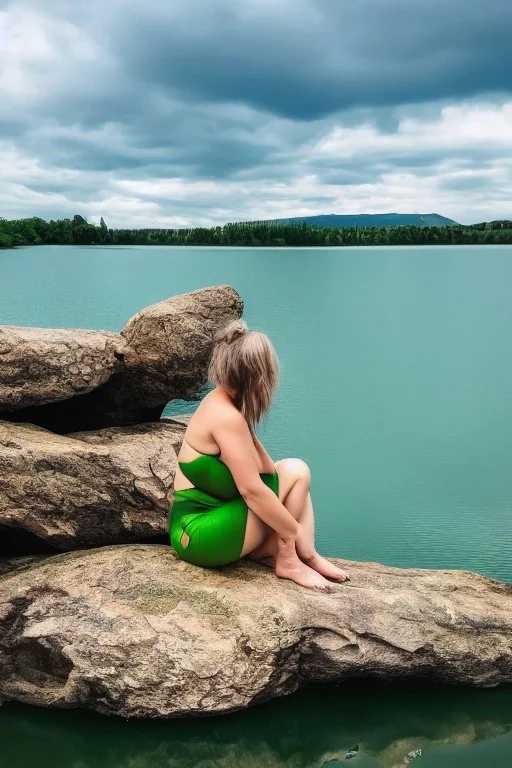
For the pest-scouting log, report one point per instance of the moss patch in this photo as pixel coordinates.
(208, 602)
(157, 604)
(150, 597)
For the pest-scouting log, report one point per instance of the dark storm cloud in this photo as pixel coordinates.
(311, 58)
(202, 111)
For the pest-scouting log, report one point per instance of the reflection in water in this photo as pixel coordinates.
(381, 726)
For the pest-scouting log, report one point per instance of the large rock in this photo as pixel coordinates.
(170, 347)
(85, 489)
(133, 631)
(41, 365)
(162, 354)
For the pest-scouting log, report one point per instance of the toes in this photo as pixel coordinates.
(339, 578)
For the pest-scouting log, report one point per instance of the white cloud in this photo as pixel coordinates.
(464, 126)
(37, 52)
(466, 194)
(85, 133)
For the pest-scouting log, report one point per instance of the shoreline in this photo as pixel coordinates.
(358, 246)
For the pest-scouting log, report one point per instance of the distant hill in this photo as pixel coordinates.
(369, 220)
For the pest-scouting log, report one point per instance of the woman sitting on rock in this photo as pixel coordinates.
(243, 503)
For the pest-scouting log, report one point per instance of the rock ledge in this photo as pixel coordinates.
(131, 630)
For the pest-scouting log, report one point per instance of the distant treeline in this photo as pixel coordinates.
(77, 231)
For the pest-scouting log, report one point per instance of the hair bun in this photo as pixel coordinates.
(234, 330)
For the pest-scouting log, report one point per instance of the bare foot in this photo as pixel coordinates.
(324, 567)
(297, 571)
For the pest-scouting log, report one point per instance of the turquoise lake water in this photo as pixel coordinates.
(396, 388)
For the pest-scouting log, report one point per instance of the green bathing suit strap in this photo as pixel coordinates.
(212, 476)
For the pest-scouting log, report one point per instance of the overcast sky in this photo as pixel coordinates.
(197, 112)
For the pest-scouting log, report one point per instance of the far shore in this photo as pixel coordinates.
(78, 231)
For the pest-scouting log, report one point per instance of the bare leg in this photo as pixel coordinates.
(289, 566)
(298, 502)
(282, 557)
(306, 546)
(263, 545)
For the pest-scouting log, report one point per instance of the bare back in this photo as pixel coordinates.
(198, 438)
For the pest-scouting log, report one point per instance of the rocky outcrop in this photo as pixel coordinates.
(70, 380)
(86, 488)
(170, 346)
(133, 631)
(44, 365)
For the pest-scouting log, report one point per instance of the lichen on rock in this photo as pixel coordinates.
(131, 630)
(124, 627)
(86, 488)
(70, 380)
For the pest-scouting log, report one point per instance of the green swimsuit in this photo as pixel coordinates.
(213, 514)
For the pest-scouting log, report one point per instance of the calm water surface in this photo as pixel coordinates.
(310, 729)
(396, 388)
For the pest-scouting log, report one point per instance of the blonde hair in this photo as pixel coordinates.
(246, 362)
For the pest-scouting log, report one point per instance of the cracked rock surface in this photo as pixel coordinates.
(170, 346)
(133, 631)
(71, 380)
(86, 488)
(43, 365)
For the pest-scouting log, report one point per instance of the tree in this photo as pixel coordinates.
(33, 231)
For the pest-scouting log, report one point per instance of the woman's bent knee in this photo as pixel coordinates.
(294, 468)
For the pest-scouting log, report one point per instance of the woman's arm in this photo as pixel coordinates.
(234, 439)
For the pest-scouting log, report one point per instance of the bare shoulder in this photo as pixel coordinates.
(220, 409)
(215, 417)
